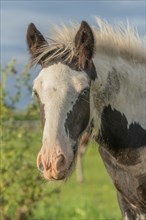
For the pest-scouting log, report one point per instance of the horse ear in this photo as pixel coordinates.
(35, 40)
(84, 44)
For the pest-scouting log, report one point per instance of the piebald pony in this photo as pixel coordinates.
(94, 73)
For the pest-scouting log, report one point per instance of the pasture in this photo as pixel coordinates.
(26, 195)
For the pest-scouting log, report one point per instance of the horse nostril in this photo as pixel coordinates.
(60, 163)
(41, 167)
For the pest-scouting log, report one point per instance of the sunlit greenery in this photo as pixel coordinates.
(25, 195)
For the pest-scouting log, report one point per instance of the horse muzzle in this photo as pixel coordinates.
(55, 167)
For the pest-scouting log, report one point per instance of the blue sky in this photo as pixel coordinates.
(16, 15)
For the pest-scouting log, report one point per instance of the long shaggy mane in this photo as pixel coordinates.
(120, 40)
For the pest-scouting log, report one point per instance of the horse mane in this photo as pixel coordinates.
(120, 40)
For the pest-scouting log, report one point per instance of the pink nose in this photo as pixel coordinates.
(53, 170)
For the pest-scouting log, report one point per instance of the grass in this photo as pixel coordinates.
(93, 199)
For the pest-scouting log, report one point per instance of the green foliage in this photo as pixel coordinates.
(21, 79)
(20, 179)
(25, 195)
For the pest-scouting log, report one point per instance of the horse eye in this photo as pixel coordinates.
(35, 93)
(85, 91)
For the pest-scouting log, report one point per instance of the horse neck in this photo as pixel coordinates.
(119, 84)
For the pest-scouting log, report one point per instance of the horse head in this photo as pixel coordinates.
(63, 91)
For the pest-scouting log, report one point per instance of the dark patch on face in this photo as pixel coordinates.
(123, 142)
(78, 118)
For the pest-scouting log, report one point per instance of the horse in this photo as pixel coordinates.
(93, 73)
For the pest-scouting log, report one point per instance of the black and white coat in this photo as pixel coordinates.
(94, 73)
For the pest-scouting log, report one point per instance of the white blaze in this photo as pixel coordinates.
(58, 88)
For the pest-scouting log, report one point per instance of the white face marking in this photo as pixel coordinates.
(58, 88)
